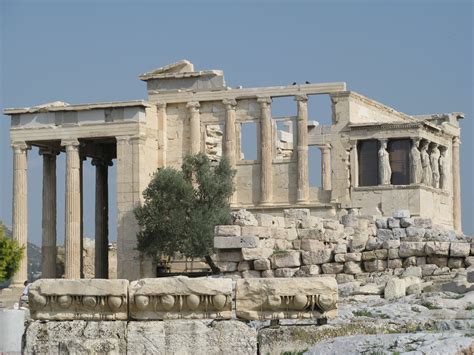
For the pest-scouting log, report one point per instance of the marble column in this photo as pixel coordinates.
(81, 194)
(195, 126)
(456, 185)
(266, 177)
(302, 192)
(230, 137)
(101, 218)
(48, 242)
(326, 168)
(20, 208)
(354, 160)
(162, 133)
(72, 210)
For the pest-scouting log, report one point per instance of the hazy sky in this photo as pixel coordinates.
(413, 56)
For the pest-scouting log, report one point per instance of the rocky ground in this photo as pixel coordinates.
(429, 323)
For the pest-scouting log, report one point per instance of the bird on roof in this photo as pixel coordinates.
(294, 83)
(307, 82)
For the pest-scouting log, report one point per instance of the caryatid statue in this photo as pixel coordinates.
(443, 169)
(385, 171)
(434, 159)
(416, 170)
(426, 178)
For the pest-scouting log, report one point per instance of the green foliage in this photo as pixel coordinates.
(10, 255)
(181, 208)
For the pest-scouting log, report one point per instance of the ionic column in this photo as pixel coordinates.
(229, 137)
(20, 208)
(326, 168)
(101, 218)
(48, 240)
(162, 133)
(456, 185)
(266, 178)
(195, 126)
(72, 224)
(354, 159)
(81, 194)
(302, 193)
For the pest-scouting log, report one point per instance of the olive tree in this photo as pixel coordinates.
(182, 207)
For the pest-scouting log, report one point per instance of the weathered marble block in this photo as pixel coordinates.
(180, 298)
(286, 298)
(86, 299)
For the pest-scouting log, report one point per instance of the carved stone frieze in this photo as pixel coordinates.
(86, 299)
(181, 298)
(286, 298)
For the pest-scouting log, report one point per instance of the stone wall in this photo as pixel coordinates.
(350, 248)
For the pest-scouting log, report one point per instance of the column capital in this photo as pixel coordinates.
(301, 98)
(20, 147)
(101, 161)
(48, 151)
(353, 143)
(456, 140)
(161, 105)
(327, 146)
(382, 140)
(415, 139)
(70, 143)
(122, 139)
(193, 106)
(138, 137)
(230, 104)
(264, 100)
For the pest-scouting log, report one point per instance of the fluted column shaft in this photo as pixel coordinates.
(266, 177)
(230, 138)
(48, 242)
(20, 207)
(456, 185)
(326, 168)
(354, 159)
(72, 211)
(162, 133)
(195, 126)
(101, 218)
(302, 194)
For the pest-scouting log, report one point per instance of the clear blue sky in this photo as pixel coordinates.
(413, 56)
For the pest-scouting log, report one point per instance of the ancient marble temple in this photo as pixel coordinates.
(373, 159)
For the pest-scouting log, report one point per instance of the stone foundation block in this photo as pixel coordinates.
(394, 263)
(384, 234)
(395, 288)
(455, 263)
(286, 272)
(415, 232)
(440, 261)
(235, 242)
(381, 253)
(393, 223)
(227, 266)
(401, 214)
(311, 269)
(261, 264)
(254, 231)
(256, 253)
(180, 297)
(375, 265)
(251, 274)
(369, 255)
(229, 255)
(459, 249)
(332, 268)
(316, 257)
(76, 337)
(191, 337)
(423, 222)
(399, 233)
(352, 267)
(289, 258)
(437, 248)
(285, 233)
(411, 249)
(88, 299)
(393, 254)
(232, 231)
(308, 297)
(312, 245)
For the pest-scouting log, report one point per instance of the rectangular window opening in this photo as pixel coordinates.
(368, 162)
(399, 153)
(248, 141)
(320, 109)
(314, 166)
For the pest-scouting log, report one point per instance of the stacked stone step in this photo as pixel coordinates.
(351, 248)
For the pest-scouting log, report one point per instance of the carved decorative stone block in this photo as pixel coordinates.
(181, 298)
(286, 298)
(87, 299)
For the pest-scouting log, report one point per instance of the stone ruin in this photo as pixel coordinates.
(353, 248)
(374, 159)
